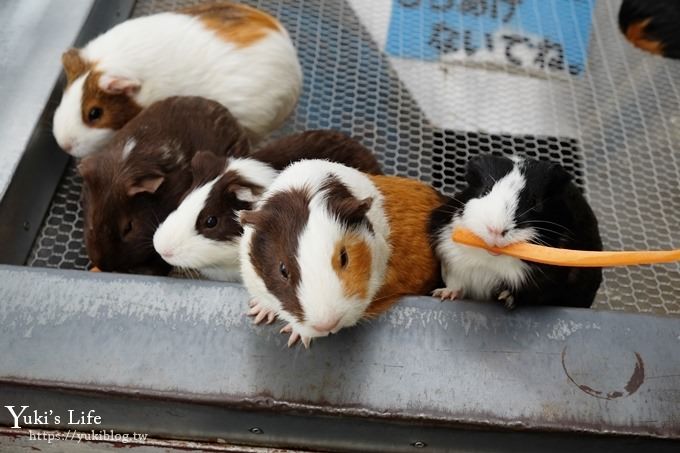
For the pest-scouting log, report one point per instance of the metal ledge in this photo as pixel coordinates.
(180, 359)
(28, 195)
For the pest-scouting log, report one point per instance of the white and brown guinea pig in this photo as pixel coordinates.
(327, 246)
(140, 176)
(234, 54)
(203, 233)
(510, 200)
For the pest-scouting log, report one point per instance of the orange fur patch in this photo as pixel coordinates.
(238, 24)
(355, 275)
(117, 109)
(74, 65)
(413, 267)
(636, 35)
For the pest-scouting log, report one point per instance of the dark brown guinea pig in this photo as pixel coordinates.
(318, 144)
(131, 185)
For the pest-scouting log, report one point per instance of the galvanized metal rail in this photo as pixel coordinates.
(181, 360)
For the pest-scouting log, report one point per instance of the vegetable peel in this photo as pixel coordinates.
(566, 257)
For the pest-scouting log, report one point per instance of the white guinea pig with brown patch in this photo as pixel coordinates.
(327, 246)
(233, 54)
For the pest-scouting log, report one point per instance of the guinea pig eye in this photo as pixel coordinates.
(343, 258)
(94, 114)
(211, 222)
(284, 271)
(127, 228)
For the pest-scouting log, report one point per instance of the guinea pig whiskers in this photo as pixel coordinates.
(565, 234)
(549, 223)
(451, 209)
(531, 208)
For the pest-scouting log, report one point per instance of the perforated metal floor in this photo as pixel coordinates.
(624, 111)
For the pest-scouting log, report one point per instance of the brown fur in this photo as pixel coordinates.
(355, 275)
(238, 24)
(318, 144)
(74, 65)
(636, 34)
(278, 225)
(413, 267)
(117, 109)
(345, 207)
(164, 132)
(223, 204)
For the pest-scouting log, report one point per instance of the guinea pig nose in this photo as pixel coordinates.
(326, 326)
(167, 253)
(495, 231)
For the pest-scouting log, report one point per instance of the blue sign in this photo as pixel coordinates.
(551, 35)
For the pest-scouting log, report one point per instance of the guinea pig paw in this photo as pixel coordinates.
(507, 298)
(446, 293)
(295, 336)
(260, 312)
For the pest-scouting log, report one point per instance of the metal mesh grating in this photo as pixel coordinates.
(623, 115)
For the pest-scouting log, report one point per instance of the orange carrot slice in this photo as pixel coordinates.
(95, 269)
(565, 257)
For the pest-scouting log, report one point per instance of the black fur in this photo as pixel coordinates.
(663, 26)
(553, 205)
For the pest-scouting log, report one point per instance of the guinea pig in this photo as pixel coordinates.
(203, 232)
(652, 25)
(234, 54)
(131, 185)
(510, 200)
(327, 246)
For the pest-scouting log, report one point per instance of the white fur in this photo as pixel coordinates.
(320, 292)
(177, 235)
(130, 144)
(474, 272)
(173, 54)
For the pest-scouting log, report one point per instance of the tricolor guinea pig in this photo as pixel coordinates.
(327, 246)
(508, 201)
(131, 185)
(234, 54)
(203, 233)
(652, 25)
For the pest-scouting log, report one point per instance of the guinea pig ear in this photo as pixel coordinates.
(245, 193)
(352, 210)
(147, 184)
(558, 179)
(242, 188)
(206, 166)
(112, 84)
(74, 65)
(251, 218)
(476, 168)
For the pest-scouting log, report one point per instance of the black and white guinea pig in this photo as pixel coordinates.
(509, 200)
(236, 55)
(203, 232)
(328, 246)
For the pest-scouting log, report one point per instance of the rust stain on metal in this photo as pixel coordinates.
(589, 390)
(632, 386)
(638, 376)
